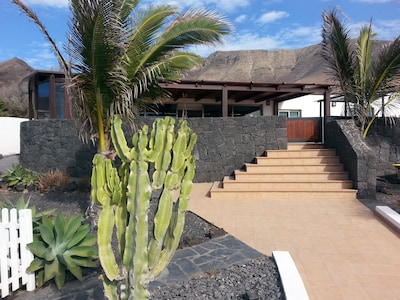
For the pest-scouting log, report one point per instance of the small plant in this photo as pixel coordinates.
(62, 245)
(3, 109)
(53, 180)
(21, 204)
(19, 176)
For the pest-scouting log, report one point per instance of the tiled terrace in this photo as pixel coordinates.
(341, 249)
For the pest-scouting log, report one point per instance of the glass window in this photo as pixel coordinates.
(294, 114)
(59, 100)
(290, 113)
(43, 104)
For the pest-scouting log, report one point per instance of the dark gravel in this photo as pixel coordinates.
(257, 279)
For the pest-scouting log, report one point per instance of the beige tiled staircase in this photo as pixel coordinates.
(303, 171)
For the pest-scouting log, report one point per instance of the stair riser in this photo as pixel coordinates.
(282, 195)
(300, 153)
(293, 169)
(288, 186)
(297, 160)
(304, 177)
(299, 146)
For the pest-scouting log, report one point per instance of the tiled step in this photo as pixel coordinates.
(304, 171)
(289, 177)
(254, 168)
(297, 160)
(331, 185)
(301, 153)
(297, 146)
(217, 192)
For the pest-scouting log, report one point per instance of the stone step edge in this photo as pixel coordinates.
(218, 187)
(229, 180)
(389, 215)
(296, 157)
(294, 191)
(292, 283)
(242, 172)
(295, 165)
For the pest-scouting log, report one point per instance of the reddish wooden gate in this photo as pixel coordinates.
(304, 129)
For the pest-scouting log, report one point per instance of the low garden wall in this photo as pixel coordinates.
(358, 158)
(224, 144)
(365, 160)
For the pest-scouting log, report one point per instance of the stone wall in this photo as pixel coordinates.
(358, 158)
(50, 144)
(224, 144)
(384, 139)
(365, 160)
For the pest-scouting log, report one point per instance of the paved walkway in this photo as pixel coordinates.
(341, 249)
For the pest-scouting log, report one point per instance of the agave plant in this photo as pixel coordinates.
(62, 245)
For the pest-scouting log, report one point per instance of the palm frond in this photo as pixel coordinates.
(364, 49)
(192, 28)
(386, 69)
(31, 15)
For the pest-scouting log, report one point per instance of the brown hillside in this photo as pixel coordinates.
(12, 88)
(303, 65)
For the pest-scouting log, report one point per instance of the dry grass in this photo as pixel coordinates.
(53, 180)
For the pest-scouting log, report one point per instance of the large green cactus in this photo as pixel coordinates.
(125, 194)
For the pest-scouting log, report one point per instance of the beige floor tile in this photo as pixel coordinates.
(340, 248)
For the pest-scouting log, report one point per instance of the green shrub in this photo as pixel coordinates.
(18, 175)
(3, 109)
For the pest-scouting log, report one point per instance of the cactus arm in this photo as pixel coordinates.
(110, 288)
(121, 215)
(161, 222)
(119, 141)
(178, 218)
(98, 180)
(104, 235)
(142, 197)
(178, 150)
(163, 144)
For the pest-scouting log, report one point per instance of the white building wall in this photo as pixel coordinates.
(311, 106)
(10, 135)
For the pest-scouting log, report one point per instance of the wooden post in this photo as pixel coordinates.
(327, 103)
(224, 101)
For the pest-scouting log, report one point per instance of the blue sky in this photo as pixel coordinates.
(258, 24)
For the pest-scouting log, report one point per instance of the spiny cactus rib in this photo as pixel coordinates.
(119, 141)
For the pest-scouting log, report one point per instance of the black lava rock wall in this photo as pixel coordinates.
(223, 145)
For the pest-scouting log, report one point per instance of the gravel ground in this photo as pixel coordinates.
(388, 192)
(257, 279)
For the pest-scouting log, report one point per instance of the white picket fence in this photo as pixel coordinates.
(15, 257)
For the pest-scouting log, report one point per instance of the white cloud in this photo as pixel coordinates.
(49, 3)
(41, 57)
(272, 16)
(221, 6)
(241, 19)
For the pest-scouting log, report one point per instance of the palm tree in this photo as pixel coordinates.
(365, 77)
(118, 53)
